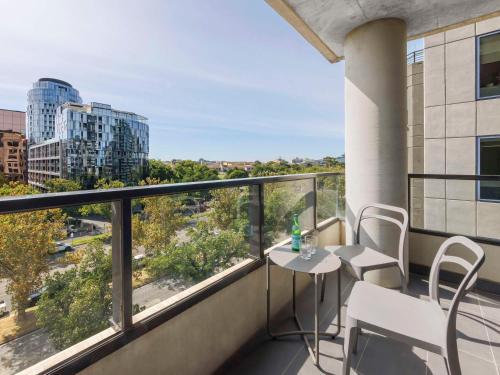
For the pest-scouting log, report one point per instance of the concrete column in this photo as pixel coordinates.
(375, 131)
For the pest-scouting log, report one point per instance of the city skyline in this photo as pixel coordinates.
(202, 90)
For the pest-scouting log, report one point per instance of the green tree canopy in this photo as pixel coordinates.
(25, 241)
(157, 224)
(190, 171)
(101, 209)
(58, 185)
(237, 173)
(161, 171)
(77, 303)
(206, 253)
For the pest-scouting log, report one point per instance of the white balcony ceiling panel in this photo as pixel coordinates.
(332, 20)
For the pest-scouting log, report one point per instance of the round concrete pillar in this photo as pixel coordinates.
(375, 131)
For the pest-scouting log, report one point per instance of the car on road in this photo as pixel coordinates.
(139, 261)
(61, 247)
(35, 296)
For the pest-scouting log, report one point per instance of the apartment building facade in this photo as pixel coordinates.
(92, 141)
(45, 162)
(454, 129)
(13, 145)
(14, 121)
(13, 156)
(44, 98)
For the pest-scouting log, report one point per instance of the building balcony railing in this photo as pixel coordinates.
(154, 251)
(415, 57)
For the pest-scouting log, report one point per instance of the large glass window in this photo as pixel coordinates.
(489, 65)
(489, 164)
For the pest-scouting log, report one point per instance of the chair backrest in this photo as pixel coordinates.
(466, 284)
(402, 224)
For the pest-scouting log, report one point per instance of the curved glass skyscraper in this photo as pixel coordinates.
(43, 99)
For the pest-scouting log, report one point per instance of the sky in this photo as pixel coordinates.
(218, 79)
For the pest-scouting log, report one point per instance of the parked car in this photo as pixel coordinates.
(35, 296)
(139, 261)
(3, 308)
(61, 247)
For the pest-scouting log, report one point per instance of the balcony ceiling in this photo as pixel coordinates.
(325, 23)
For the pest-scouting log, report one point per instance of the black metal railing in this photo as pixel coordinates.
(415, 57)
(481, 193)
(121, 213)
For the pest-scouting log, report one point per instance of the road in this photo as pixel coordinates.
(157, 291)
(24, 351)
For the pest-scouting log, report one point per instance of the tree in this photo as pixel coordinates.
(237, 173)
(159, 170)
(330, 161)
(3, 180)
(25, 241)
(229, 209)
(190, 171)
(58, 185)
(77, 303)
(204, 255)
(155, 228)
(101, 209)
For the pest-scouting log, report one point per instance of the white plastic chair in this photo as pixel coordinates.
(362, 258)
(411, 320)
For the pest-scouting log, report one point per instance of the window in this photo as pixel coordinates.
(489, 164)
(489, 65)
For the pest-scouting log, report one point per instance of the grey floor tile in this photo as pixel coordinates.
(478, 325)
(469, 364)
(472, 336)
(331, 357)
(386, 356)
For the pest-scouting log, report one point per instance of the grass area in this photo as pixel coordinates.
(11, 328)
(105, 237)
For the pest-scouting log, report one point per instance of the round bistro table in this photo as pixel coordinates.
(321, 263)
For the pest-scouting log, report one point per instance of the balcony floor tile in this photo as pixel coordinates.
(478, 340)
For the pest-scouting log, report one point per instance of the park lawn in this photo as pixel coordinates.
(11, 329)
(105, 237)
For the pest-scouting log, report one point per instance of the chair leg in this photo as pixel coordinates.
(404, 287)
(356, 334)
(349, 342)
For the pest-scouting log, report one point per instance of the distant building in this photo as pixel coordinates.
(13, 155)
(13, 145)
(14, 121)
(43, 99)
(92, 141)
(45, 162)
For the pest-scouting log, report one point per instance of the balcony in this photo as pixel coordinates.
(215, 321)
(216, 235)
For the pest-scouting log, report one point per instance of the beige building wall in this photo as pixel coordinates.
(415, 132)
(453, 119)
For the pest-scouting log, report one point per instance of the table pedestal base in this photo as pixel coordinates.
(314, 353)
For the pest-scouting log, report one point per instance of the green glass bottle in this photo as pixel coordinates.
(295, 233)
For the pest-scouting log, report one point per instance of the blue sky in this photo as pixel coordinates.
(218, 79)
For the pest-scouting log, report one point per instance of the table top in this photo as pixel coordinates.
(321, 262)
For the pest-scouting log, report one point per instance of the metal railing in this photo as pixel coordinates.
(121, 208)
(451, 177)
(415, 57)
